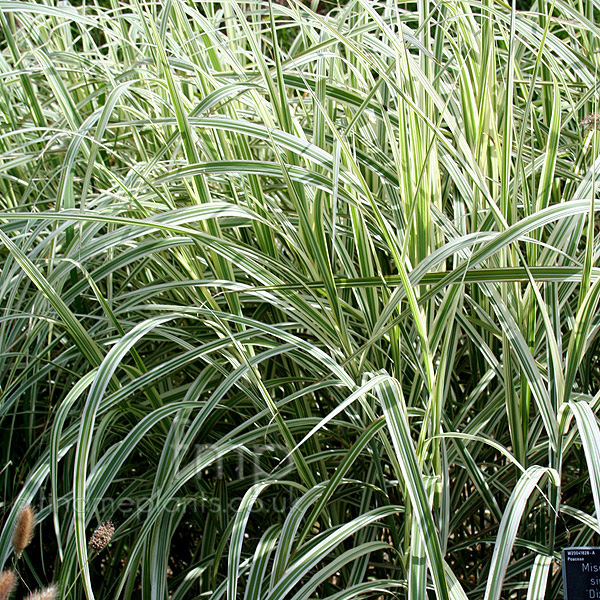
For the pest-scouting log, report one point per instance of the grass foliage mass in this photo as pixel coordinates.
(303, 301)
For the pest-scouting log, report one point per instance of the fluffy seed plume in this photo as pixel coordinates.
(48, 594)
(102, 536)
(8, 582)
(23, 530)
(592, 121)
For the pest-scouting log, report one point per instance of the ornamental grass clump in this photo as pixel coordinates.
(23, 532)
(102, 536)
(21, 538)
(591, 121)
(307, 302)
(48, 593)
(8, 583)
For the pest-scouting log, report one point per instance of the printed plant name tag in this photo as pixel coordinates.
(581, 573)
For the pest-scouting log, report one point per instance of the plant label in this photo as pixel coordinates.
(581, 573)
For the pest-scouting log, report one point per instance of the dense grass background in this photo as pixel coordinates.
(306, 304)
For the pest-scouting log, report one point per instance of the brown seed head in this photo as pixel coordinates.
(8, 583)
(48, 594)
(592, 121)
(23, 530)
(102, 536)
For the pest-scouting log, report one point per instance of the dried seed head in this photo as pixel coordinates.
(48, 594)
(102, 536)
(592, 121)
(8, 583)
(23, 530)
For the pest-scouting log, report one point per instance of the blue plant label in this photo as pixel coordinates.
(581, 573)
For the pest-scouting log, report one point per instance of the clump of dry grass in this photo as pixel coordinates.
(22, 537)
(8, 583)
(23, 530)
(102, 536)
(46, 594)
(592, 121)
